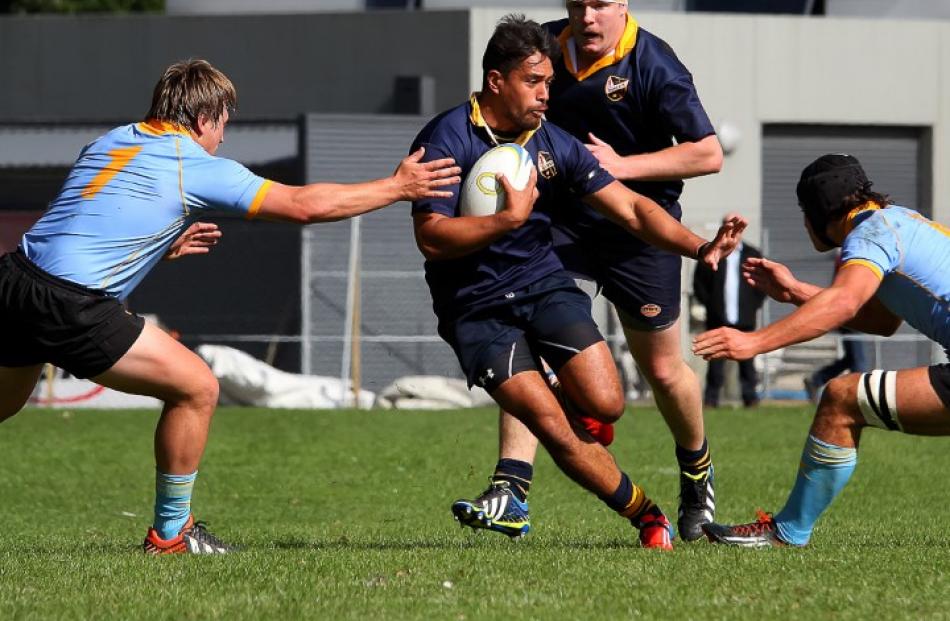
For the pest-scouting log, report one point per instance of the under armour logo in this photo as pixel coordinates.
(489, 374)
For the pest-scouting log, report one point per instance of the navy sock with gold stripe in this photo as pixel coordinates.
(630, 501)
(517, 473)
(694, 462)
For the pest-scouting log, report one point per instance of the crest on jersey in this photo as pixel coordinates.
(616, 87)
(546, 165)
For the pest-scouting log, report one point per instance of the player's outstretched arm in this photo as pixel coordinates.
(329, 202)
(682, 161)
(831, 308)
(777, 281)
(441, 237)
(199, 238)
(647, 220)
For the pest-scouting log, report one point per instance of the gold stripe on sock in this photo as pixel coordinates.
(700, 464)
(638, 505)
(503, 476)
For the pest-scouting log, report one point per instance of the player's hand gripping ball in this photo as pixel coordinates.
(482, 194)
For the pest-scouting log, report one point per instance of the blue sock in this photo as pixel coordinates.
(824, 471)
(172, 502)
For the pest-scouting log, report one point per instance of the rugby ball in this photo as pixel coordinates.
(482, 195)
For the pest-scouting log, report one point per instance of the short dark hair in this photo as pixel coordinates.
(516, 38)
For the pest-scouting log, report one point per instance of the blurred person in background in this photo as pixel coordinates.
(730, 301)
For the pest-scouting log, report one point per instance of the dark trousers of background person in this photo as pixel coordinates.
(716, 378)
(855, 360)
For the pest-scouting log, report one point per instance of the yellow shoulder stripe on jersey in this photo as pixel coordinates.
(871, 266)
(934, 225)
(479, 121)
(156, 127)
(120, 159)
(849, 223)
(627, 41)
(258, 199)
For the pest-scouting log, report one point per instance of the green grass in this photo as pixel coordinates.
(344, 515)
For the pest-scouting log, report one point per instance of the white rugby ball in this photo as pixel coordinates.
(482, 195)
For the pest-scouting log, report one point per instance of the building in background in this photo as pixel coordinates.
(339, 94)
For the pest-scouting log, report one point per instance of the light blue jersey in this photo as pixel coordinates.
(911, 255)
(130, 195)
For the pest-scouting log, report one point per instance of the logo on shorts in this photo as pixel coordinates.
(546, 165)
(650, 310)
(616, 87)
(489, 374)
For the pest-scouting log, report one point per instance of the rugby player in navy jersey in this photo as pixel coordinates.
(502, 298)
(622, 90)
(133, 197)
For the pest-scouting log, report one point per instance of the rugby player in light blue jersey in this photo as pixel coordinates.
(133, 197)
(895, 266)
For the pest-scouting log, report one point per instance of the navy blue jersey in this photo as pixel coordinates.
(638, 100)
(641, 99)
(523, 256)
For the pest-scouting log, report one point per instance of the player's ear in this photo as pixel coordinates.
(493, 80)
(204, 124)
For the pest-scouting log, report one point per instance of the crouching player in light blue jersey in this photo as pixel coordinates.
(895, 266)
(132, 198)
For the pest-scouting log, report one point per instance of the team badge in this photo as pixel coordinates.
(650, 310)
(546, 165)
(616, 87)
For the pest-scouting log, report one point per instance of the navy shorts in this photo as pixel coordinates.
(642, 281)
(47, 319)
(548, 319)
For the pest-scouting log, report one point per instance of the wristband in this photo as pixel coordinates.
(701, 251)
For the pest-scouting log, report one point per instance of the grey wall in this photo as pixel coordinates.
(901, 9)
(103, 68)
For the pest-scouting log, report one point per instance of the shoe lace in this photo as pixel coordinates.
(693, 490)
(762, 525)
(200, 533)
(495, 487)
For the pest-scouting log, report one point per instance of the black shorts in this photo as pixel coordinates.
(47, 319)
(642, 281)
(548, 319)
(940, 380)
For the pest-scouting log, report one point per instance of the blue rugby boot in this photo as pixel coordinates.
(497, 509)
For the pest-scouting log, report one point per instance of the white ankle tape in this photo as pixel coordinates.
(877, 398)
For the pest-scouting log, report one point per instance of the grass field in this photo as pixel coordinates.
(344, 515)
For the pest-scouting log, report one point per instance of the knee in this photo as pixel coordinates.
(202, 392)
(606, 407)
(838, 405)
(664, 373)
